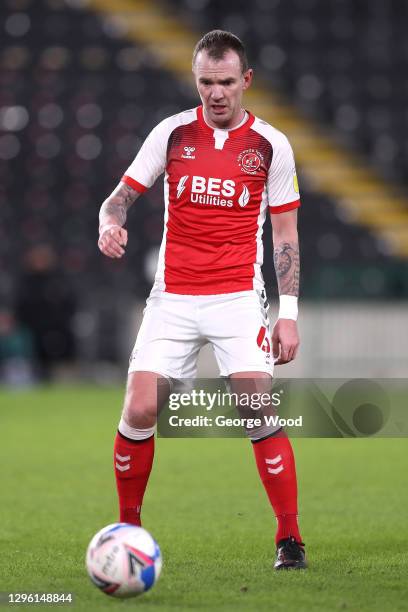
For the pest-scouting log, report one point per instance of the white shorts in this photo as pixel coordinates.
(175, 328)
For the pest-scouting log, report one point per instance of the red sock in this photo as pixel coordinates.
(133, 463)
(276, 467)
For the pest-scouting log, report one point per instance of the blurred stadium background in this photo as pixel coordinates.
(83, 82)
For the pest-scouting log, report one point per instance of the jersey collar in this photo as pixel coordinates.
(231, 133)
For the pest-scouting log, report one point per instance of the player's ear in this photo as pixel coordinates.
(247, 77)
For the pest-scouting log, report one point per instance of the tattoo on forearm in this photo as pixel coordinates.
(119, 203)
(287, 267)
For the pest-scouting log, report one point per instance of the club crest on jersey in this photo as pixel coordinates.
(250, 161)
(188, 153)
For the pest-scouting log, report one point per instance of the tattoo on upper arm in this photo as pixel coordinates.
(287, 266)
(119, 203)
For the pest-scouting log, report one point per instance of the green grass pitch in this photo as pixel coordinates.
(207, 509)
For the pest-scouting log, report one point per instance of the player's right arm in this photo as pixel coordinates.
(148, 164)
(112, 218)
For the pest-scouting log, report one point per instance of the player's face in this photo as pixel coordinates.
(220, 85)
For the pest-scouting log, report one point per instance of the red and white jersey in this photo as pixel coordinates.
(218, 186)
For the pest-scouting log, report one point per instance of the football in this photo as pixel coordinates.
(123, 560)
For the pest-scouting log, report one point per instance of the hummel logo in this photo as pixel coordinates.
(274, 461)
(181, 185)
(188, 153)
(122, 459)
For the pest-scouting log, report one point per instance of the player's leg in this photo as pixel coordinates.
(242, 346)
(276, 467)
(274, 458)
(134, 443)
(166, 350)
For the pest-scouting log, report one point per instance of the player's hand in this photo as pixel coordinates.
(285, 341)
(112, 239)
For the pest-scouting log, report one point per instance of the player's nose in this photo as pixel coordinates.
(217, 93)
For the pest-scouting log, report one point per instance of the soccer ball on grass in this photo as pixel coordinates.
(123, 560)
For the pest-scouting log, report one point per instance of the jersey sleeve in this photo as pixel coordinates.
(150, 161)
(282, 183)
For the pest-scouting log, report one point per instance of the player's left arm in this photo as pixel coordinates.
(284, 200)
(285, 337)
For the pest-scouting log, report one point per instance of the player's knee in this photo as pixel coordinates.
(139, 411)
(254, 405)
(251, 382)
(144, 393)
